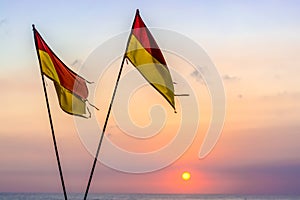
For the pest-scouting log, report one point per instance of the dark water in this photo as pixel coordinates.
(44, 196)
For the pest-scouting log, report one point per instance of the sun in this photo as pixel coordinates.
(186, 176)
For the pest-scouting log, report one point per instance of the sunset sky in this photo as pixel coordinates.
(255, 46)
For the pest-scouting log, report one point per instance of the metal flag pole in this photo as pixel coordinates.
(50, 118)
(107, 116)
(104, 128)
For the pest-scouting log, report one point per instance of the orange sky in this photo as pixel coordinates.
(254, 46)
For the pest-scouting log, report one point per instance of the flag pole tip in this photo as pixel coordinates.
(33, 26)
(137, 11)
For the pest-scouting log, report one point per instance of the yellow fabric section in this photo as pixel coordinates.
(152, 70)
(69, 102)
(47, 66)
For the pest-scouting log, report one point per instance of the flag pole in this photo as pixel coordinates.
(50, 118)
(107, 116)
(104, 128)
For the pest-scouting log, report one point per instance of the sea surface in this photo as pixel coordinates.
(45, 196)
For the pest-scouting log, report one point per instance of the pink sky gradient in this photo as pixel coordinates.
(255, 47)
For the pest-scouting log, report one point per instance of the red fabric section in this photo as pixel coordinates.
(143, 34)
(68, 79)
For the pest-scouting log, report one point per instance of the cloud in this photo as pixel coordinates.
(259, 178)
(113, 127)
(283, 95)
(76, 64)
(3, 27)
(276, 169)
(197, 76)
(3, 21)
(109, 135)
(227, 77)
(240, 96)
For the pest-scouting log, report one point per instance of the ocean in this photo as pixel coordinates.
(46, 196)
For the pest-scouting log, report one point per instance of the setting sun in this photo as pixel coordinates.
(186, 176)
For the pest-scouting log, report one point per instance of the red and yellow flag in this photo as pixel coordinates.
(71, 89)
(144, 53)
